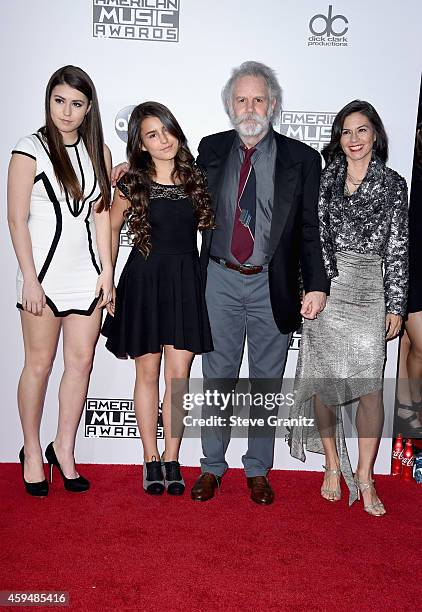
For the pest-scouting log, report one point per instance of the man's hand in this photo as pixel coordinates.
(117, 172)
(393, 324)
(312, 304)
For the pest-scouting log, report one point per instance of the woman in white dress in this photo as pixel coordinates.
(58, 203)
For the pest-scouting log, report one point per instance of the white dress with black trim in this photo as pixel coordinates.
(62, 231)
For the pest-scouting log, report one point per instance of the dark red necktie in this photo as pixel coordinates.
(244, 220)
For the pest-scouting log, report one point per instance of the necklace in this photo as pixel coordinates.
(353, 180)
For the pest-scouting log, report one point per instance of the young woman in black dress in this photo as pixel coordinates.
(159, 305)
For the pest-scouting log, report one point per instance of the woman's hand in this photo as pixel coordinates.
(393, 323)
(33, 296)
(110, 307)
(104, 287)
(117, 172)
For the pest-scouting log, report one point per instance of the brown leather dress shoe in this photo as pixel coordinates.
(205, 486)
(261, 491)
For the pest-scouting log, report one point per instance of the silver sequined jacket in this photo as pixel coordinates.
(374, 219)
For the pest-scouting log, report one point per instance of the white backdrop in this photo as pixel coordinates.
(371, 51)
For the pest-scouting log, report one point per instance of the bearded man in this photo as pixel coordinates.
(264, 189)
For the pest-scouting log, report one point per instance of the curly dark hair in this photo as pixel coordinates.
(142, 171)
(356, 106)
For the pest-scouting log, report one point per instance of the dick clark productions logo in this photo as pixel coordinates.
(328, 30)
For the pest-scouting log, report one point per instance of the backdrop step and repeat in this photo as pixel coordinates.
(180, 53)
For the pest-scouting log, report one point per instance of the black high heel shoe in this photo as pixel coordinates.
(403, 426)
(36, 489)
(403, 423)
(76, 485)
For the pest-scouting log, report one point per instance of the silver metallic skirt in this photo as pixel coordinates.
(342, 353)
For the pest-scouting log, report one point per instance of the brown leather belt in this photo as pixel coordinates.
(242, 269)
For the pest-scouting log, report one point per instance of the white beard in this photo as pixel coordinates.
(250, 124)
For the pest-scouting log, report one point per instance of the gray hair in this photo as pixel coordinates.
(255, 69)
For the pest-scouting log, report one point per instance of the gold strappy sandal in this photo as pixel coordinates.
(375, 509)
(331, 494)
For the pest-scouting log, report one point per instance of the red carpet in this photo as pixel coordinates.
(115, 548)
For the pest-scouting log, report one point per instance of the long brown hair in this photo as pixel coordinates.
(90, 131)
(142, 170)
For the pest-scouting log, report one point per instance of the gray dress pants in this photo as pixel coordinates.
(238, 307)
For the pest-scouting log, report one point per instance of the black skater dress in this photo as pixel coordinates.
(161, 299)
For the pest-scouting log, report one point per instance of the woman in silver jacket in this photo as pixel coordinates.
(364, 238)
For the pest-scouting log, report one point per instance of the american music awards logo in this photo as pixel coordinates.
(328, 30)
(311, 127)
(114, 418)
(155, 20)
(314, 129)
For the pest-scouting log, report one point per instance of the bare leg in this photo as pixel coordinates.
(40, 337)
(369, 423)
(326, 417)
(414, 357)
(414, 364)
(177, 364)
(146, 402)
(403, 387)
(80, 335)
